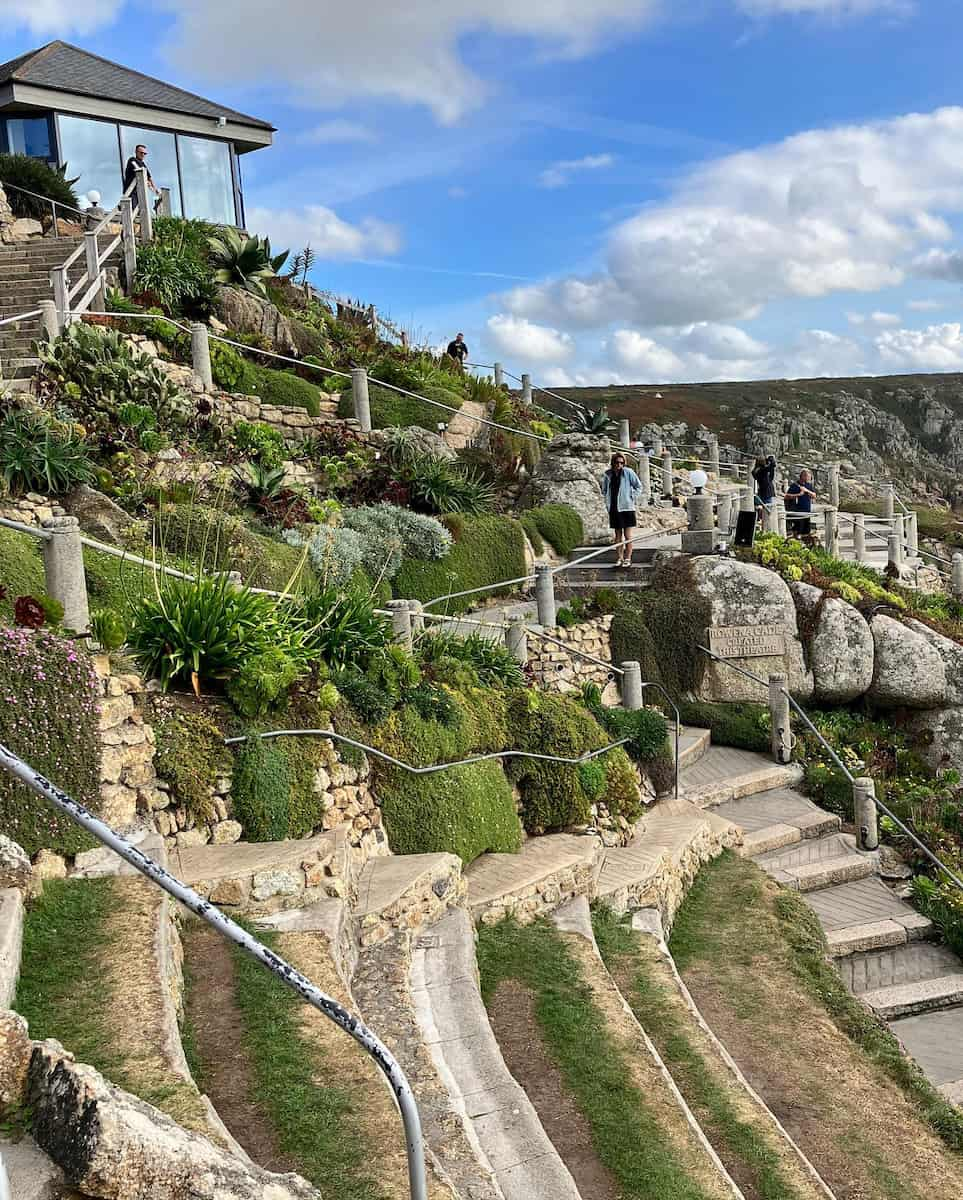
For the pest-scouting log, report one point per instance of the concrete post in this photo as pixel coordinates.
(666, 473)
(912, 528)
(834, 484)
(92, 257)
(657, 446)
(359, 394)
(865, 814)
(201, 356)
(899, 528)
(700, 537)
(888, 501)
(63, 564)
(747, 500)
(165, 203)
(49, 319)
(957, 579)
(893, 547)
(526, 389)
(58, 281)
(724, 515)
(417, 610)
(781, 525)
(401, 621)
(631, 686)
(128, 240)
(714, 456)
(144, 213)
(830, 530)
(780, 717)
(516, 639)
(645, 475)
(859, 538)
(499, 375)
(545, 596)
(625, 438)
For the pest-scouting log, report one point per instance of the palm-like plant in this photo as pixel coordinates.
(246, 262)
(597, 422)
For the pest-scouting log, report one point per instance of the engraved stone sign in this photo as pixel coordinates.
(747, 641)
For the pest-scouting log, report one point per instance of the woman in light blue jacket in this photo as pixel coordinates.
(621, 488)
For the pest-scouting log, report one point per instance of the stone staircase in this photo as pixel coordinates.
(601, 571)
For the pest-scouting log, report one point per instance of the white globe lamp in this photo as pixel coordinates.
(698, 479)
(93, 199)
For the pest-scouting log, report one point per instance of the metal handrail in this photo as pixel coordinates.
(914, 838)
(326, 1005)
(20, 527)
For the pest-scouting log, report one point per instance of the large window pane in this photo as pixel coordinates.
(161, 158)
(206, 179)
(29, 135)
(90, 150)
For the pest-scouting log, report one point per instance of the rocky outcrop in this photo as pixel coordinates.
(98, 515)
(840, 647)
(908, 670)
(744, 594)
(569, 472)
(243, 312)
(15, 869)
(939, 736)
(422, 442)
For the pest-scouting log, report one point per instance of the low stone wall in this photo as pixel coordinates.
(129, 793)
(32, 509)
(558, 669)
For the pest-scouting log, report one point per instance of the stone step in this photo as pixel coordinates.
(935, 1040)
(818, 863)
(723, 774)
(850, 909)
(640, 554)
(775, 819)
(871, 935)
(693, 745)
(912, 962)
(403, 891)
(30, 1173)
(912, 999)
(545, 872)
(589, 574)
(506, 1129)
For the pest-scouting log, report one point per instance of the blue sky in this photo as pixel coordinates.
(596, 192)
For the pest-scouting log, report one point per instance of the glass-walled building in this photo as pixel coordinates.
(81, 112)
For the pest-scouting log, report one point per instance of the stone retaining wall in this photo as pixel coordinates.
(129, 793)
(557, 669)
(32, 509)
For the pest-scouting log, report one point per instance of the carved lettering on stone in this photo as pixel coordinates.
(747, 641)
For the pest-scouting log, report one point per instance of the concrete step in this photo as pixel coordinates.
(935, 1040)
(911, 962)
(403, 891)
(723, 774)
(693, 745)
(640, 554)
(546, 871)
(871, 935)
(818, 863)
(775, 819)
(850, 911)
(591, 574)
(912, 999)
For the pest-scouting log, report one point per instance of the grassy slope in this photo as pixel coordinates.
(755, 960)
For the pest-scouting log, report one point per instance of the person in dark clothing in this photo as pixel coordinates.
(764, 473)
(458, 350)
(799, 505)
(620, 490)
(138, 161)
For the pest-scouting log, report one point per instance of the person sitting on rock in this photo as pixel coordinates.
(799, 506)
(621, 488)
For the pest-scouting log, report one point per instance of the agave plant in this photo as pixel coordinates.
(597, 422)
(246, 262)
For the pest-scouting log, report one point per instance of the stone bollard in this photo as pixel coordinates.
(417, 610)
(700, 537)
(359, 394)
(545, 596)
(499, 375)
(781, 525)
(889, 501)
(894, 558)
(859, 538)
(526, 389)
(714, 457)
(899, 528)
(201, 356)
(631, 685)
(645, 475)
(834, 484)
(830, 530)
(865, 814)
(49, 319)
(780, 717)
(666, 473)
(912, 529)
(401, 621)
(657, 447)
(516, 639)
(63, 564)
(724, 515)
(957, 578)
(625, 437)
(747, 500)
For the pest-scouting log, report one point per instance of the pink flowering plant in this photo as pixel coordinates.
(49, 706)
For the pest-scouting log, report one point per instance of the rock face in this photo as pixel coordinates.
(15, 868)
(908, 670)
(951, 655)
(111, 1145)
(941, 743)
(423, 441)
(744, 594)
(98, 515)
(569, 472)
(244, 312)
(841, 650)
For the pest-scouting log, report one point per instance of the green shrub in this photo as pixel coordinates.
(437, 485)
(49, 699)
(260, 442)
(390, 408)
(342, 627)
(744, 726)
(34, 175)
(467, 811)
(285, 388)
(232, 371)
(239, 260)
(560, 526)
(21, 570)
(486, 550)
(171, 275)
(565, 618)
(491, 662)
(191, 757)
(367, 700)
(109, 628)
(262, 681)
(261, 790)
(40, 455)
(530, 525)
(622, 796)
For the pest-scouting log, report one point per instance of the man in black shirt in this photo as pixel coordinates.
(458, 350)
(139, 161)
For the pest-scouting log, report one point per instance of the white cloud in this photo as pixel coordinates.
(825, 8)
(409, 53)
(936, 348)
(328, 234)
(833, 210)
(880, 319)
(940, 264)
(338, 131)
(56, 16)
(524, 341)
(560, 174)
(925, 305)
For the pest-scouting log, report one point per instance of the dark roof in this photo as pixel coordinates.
(67, 68)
